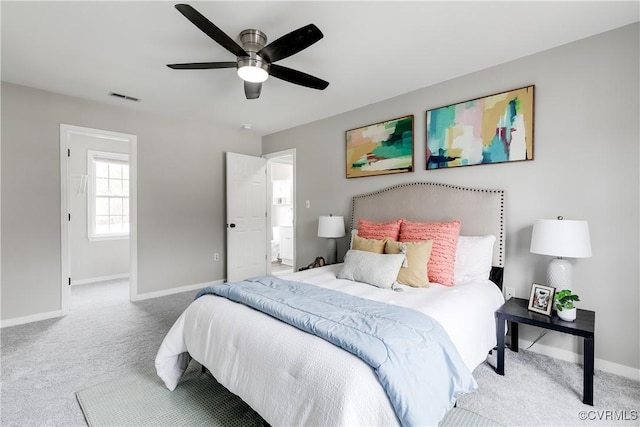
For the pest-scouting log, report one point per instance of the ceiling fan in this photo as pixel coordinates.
(255, 61)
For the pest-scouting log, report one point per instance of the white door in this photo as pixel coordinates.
(246, 216)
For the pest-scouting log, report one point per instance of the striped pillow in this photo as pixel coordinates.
(379, 230)
(440, 266)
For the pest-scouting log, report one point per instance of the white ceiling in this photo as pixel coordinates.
(370, 51)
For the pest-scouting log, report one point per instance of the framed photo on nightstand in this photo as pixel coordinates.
(541, 299)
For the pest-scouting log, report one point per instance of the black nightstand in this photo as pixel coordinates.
(515, 311)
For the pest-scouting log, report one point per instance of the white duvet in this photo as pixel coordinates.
(293, 378)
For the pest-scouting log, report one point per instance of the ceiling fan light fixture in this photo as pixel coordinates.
(253, 74)
(253, 70)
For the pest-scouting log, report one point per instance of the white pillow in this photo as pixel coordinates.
(474, 256)
(379, 270)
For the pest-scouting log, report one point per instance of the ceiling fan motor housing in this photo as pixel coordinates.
(252, 41)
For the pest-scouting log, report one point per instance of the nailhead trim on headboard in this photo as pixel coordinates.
(501, 193)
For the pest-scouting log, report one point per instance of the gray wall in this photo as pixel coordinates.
(586, 167)
(181, 209)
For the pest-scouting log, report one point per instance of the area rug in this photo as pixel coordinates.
(459, 417)
(141, 399)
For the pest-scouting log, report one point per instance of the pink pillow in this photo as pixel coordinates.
(379, 230)
(443, 254)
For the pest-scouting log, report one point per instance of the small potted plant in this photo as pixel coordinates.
(564, 305)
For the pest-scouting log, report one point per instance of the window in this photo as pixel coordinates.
(108, 199)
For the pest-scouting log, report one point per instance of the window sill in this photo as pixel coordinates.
(110, 237)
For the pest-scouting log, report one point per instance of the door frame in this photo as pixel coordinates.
(66, 131)
(271, 157)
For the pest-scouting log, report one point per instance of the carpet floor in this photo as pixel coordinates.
(538, 390)
(44, 364)
(104, 336)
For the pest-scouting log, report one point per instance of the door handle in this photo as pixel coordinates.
(231, 225)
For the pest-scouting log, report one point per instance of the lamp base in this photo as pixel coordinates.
(559, 273)
(333, 251)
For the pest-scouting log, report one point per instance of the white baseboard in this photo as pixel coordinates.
(28, 319)
(58, 313)
(569, 356)
(100, 279)
(172, 291)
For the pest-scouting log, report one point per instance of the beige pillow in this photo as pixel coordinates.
(415, 273)
(368, 245)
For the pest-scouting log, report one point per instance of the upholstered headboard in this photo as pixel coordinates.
(481, 211)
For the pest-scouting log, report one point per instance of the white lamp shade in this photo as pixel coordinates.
(561, 238)
(331, 226)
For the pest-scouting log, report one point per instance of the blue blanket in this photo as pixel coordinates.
(411, 354)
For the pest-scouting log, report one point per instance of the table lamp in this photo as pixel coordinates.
(331, 227)
(561, 239)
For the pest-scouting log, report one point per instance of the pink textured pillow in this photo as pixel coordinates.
(379, 230)
(443, 254)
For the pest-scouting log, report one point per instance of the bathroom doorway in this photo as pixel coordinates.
(281, 183)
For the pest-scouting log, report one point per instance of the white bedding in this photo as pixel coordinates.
(293, 378)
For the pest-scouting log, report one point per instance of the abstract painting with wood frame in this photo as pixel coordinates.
(493, 129)
(380, 149)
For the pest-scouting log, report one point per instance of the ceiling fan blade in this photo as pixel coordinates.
(297, 77)
(211, 30)
(202, 65)
(291, 43)
(252, 90)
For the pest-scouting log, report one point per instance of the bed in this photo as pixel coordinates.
(291, 377)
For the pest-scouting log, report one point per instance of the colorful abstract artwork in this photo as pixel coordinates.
(493, 129)
(380, 149)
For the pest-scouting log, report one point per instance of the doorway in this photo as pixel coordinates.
(98, 208)
(281, 202)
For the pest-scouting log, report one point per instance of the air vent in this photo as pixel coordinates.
(127, 97)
